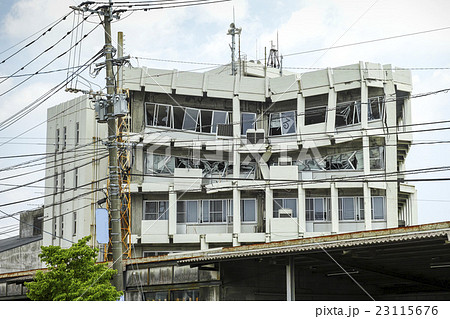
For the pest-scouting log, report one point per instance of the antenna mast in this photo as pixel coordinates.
(233, 31)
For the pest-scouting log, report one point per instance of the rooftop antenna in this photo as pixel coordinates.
(233, 31)
(274, 60)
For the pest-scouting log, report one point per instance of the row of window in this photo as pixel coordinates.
(201, 211)
(221, 211)
(64, 136)
(349, 208)
(61, 225)
(192, 119)
(63, 180)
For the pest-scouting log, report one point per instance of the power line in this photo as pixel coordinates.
(19, 115)
(50, 27)
(368, 41)
(38, 73)
(59, 56)
(56, 175)
(39, 55)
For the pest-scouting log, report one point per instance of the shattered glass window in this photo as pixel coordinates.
(282, 123)
(348, 113)
(376, 108)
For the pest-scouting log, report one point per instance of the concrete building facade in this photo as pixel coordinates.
(75, 174)
(223, 160)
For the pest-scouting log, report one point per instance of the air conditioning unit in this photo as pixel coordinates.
(256, 136)
(285, 161)
(285, 213)
(224, 130)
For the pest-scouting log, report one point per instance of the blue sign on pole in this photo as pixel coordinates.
(102, 225)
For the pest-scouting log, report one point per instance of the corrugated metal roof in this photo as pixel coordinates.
(327, 242)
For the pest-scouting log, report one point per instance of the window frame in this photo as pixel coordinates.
(311, 214)
(157, 214)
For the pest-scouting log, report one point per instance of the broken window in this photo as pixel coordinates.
(284, 203)
(156, 210)
(348, 107)
(318, 209)
(348, 113)
(376, 108)
(344, 161)
(248, 121)
(282, 123)
(160, 164)
(190, 119)
(316, 109)
(376, 157)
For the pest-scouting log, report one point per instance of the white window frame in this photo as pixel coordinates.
(158, 214)
(311, 214)
(283, 131)
(283, 205)
(243, 201)
(383, 207)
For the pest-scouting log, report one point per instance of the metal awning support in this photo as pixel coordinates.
(290, 279)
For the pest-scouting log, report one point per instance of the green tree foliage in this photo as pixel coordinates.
(72, 275)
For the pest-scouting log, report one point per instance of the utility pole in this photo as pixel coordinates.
(113, 191)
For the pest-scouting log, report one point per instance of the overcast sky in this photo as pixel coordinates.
(199, 34)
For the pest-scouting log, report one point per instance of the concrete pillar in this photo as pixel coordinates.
(236, 166)
(236, 210)
(301, 209)
(391, 157)
(367, 207)
(366, 189)
(331, 111)
(334, 209)
(414, 217)
(290, 279)
(172, 211)
(300, 117)
(269, 208)
(203, 244)
(364, 99)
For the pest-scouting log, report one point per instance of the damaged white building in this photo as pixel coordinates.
(225, 160)
(261, 156)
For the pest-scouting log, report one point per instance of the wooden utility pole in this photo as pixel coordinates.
(113, 191)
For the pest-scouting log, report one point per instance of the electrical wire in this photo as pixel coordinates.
(26, 110)
(48, 28)
(59, 56)
(38, 56)
(56, 175)
(368, 41)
